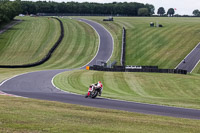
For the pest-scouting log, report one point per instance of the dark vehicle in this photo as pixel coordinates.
(108, 19)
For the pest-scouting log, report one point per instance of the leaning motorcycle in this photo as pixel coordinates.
(92, 92)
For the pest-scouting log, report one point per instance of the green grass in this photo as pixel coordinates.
(28, 115)
(3, 24)
(164, 47)
(164, 89)
(78, 47)
(197, 69)
(28, 41)
(116, 31)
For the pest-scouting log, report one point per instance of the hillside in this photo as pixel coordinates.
(155, 88)
(30, 115)
(164, 47)
(28, 41)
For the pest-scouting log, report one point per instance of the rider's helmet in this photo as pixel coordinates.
(99, 82)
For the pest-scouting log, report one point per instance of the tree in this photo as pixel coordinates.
(170, 12)
(143, 12)
(9, 9)
(151, 9)
(115, 8)
(161, 11)
(196, 12)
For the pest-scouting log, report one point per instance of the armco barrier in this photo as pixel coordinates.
(46, 56)
(179, 71)
(152, 69)
(123, 46)
(141, 67)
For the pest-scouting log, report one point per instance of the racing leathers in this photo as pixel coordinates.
(99, 85)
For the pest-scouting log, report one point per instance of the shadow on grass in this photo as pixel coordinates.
(13, 29)
(5, 25)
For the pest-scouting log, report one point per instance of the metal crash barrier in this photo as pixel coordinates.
(151, 69)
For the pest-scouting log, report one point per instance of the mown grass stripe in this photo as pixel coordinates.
(110, 84)
(170, 45)
(63, 52)
(165, 89)
(185, 50)
(116, 31)
(30, 115)
(176, 33)
(72, 52)
(22, 46)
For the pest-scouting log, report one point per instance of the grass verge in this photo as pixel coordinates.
(164, 89)
(116, 30)
(79, 46)
(28, 115)
(146, 46)
(197, 69)
(28, 41)
(31, 40)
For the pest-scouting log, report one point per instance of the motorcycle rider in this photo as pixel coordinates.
(99, 85)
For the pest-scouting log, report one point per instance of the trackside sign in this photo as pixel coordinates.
(133, 67)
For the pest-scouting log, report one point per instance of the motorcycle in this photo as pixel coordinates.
(92, 92)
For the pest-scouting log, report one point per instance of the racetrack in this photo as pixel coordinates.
(38, 85)
(10, 25)
(191, 60)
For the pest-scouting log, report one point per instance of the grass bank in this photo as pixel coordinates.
(31, 40)
(28, 115)
(28, 41)
(164, 89)
(164, 47)
(116, 30)
(79, 46)
(197, 69)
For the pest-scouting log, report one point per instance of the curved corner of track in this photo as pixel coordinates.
(39, 85)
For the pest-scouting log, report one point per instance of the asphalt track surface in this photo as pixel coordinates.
(15, 22)
(38, 85)
(191, 60)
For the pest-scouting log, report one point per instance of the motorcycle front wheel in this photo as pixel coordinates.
(94, 94)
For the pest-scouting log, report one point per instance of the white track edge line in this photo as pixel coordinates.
(111, 98)
(13, 78)
(122, 100)
(100, 40)
(61, 89)
(80, 94)
(98, 45)
(91, 60)
(195, 66)
(61, 69)
(188, 54)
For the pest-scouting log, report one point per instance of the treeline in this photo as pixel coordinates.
(129, 9)
(9, 9)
